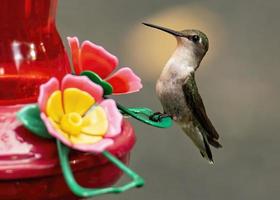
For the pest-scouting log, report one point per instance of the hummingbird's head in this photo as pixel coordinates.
(193, 41)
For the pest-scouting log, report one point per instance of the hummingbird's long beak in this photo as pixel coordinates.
(175, 33)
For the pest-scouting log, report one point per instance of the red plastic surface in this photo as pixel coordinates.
(31, 50)
(54, 187)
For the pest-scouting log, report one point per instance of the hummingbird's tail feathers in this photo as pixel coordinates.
(208, 152)
(214, 143)
(211, 162)
(199, 138)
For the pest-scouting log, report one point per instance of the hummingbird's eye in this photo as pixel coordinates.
(195, 38)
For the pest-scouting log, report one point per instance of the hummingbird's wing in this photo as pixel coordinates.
(195, 103)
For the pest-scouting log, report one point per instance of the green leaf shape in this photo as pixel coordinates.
(107, 87)
(142, 114)
(30, 118)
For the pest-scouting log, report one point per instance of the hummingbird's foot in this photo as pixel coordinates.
(158, 116)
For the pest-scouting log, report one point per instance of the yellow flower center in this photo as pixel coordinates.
(75, 118)
(72, 123)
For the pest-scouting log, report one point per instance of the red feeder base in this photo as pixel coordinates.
(30, 169)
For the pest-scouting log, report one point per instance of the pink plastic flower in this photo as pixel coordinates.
(76, 113)
(95, 58)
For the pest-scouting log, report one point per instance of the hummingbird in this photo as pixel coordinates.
(178, 93)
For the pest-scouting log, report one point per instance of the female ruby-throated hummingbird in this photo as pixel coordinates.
(176, 89)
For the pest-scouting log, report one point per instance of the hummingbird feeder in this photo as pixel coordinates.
(61, 136)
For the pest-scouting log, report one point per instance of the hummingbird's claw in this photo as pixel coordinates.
(158, 116)
(154, 115)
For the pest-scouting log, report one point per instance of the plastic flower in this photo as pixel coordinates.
(95, 58)
(76, 113)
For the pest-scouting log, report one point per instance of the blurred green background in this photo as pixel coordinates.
(238, 80)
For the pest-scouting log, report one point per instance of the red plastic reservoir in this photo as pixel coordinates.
(31, 52)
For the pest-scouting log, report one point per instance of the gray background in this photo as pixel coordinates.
(239, 82)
